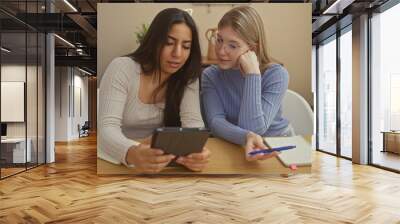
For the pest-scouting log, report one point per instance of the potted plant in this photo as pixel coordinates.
(141, 33)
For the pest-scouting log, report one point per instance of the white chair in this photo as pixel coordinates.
(296, 109)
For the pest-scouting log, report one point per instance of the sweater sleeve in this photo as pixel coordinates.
(215, 114)
(261, 101)
(113, 95)
(190, 107)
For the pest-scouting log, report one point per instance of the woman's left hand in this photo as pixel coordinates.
(248, 63)
(195, 161)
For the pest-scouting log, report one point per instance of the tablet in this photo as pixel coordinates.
(179, 141)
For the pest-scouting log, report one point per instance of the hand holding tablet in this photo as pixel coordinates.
(182, 142)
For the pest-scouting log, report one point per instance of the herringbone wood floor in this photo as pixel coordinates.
(69, 191)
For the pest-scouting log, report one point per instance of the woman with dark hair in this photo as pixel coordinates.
(155, 86)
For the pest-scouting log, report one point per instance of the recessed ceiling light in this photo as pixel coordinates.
(70, 5)
(84, 71)
(5, 50)
(64, 40)
(337, 7)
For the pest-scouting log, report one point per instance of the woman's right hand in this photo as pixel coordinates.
(146, 159)
(255, 142)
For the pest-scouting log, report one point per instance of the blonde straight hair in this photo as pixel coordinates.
(247, 23)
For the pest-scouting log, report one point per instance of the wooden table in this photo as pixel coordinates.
(391, 141)
(226, 158)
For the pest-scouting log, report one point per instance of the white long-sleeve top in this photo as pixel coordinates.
(123, 117)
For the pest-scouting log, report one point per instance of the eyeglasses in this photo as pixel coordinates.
(230, 48)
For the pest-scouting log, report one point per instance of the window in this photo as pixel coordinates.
(22, 64)
(327, 96)
(385, 84)
(346, 93)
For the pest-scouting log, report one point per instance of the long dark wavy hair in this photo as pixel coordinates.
(148, 56)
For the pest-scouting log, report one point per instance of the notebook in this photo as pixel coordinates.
(300, 156)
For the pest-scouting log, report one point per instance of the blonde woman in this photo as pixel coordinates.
(242, 95)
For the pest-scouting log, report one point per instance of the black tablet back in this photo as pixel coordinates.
(180, 141)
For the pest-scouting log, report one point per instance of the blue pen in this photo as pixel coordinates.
(278, 149)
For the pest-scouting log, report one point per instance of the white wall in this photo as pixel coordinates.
(80, 83)
(33, 127)
(62, 81)
(67, 115)
(17, 73)
(12, 101)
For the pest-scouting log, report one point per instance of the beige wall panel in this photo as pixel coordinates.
(288, 28)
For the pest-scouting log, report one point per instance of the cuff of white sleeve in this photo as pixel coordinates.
(124, 158)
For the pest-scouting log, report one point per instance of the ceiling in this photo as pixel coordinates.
(77, 23)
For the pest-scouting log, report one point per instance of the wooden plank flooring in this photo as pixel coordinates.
(387, 159)
(69, 191)
(5, 172)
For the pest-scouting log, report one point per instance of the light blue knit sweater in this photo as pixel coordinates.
(233, 105)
